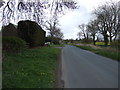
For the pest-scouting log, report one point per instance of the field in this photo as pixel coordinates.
(34, 68)
(101, 43)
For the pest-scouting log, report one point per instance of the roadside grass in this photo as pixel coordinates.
(34, 68)
(104, 52)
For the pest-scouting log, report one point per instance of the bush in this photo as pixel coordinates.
(13, 44)
(53, 40)
(86, 41)
(56, 41)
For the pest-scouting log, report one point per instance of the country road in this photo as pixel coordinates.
(84, 69)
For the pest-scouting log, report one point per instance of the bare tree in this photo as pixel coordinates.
(57, 33)
(51, 25)
(83, 31)
(79, 34)
(109, 20)
(92, 28)
(54, 31)
(112, 22)
(115, 22)
(102, 25)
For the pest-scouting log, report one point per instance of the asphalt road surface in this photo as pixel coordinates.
(84, 69)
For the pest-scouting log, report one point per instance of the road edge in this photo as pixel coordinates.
(59, 81)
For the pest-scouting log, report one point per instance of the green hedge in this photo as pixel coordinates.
(13, 44)
(31, 32)
(9, 30)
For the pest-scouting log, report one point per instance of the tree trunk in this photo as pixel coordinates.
(106, 42)
(110, 38)
(94, 40)
(105, 38)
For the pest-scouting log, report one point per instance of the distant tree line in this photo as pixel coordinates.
(106, 23)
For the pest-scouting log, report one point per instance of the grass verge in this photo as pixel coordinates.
(107, 53)
(34, 68)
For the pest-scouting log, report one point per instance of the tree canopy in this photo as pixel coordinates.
(37, 10)
(106, 22)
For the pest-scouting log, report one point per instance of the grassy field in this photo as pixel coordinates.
(101, 43)
(107, 53)
(34, 68)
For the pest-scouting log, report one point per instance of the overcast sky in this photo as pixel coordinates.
(69, 22)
